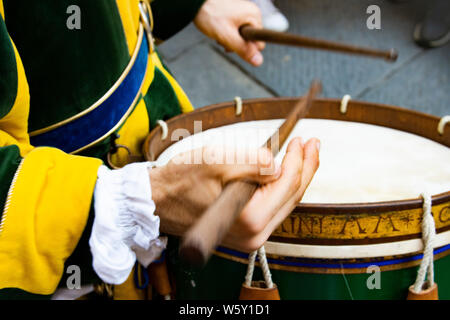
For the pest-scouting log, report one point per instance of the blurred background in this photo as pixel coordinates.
(419, 79)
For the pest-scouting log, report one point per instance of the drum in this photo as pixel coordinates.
(357, 234)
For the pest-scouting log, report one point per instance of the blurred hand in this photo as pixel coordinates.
(221, 19)
(182, 192)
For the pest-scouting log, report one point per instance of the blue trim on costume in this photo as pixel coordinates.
(304, 263)
(144, 273)
(98, 122)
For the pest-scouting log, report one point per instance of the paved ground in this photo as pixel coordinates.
(420, 79)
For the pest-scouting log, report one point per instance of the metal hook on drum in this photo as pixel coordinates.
(147, 22)
(164, 128)
(117, 147)
(344, 103)
(238, 102)
(444, 120)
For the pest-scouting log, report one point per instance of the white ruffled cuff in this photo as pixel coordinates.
(125, 227)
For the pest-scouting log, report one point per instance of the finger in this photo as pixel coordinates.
(262, 226)
(247, 50)
(293, 161)
(290, 179)
(255, 20)
(260, 45)
(227, 50)
(251, 53)
(310, 164)
(256, 165)
(309, 168)
(256, 240)
(253, 17)
(269, 198)
(255, 236)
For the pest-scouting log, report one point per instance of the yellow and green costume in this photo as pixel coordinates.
(67, 98)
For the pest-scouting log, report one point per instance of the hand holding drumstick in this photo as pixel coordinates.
(208, 232)
(237, 26)
(182, 192)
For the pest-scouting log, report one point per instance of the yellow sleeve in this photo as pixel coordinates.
(45, 198)
(45, 214)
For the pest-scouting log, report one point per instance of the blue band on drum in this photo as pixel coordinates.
(333, 265)
(94, 125)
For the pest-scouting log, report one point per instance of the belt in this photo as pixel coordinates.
(106, 115)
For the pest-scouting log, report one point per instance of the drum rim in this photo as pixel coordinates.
(327, 208)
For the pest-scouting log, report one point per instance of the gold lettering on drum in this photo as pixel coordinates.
(320, 224)
(406, 220)
(311, 225)
(360, 229)
(444, 214)
(359, 226)
(384, 218)
(300, 226)
(290, 225)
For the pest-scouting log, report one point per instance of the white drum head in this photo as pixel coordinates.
(358, 162)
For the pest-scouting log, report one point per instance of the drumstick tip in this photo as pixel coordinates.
(192, 255)
(393, 55)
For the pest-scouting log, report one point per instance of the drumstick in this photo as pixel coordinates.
(255, 34)
(208, 232)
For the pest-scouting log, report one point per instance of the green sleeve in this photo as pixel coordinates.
(9, 162)
(170, 16)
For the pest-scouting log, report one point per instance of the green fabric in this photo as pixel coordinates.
(9, 161)
(17, 294)
(163, 63)
(67, 70)
(161, 100)
(296, 285)
(99, 150)
(170, 16)
(8, 72)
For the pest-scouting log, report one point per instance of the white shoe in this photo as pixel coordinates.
(272, 18)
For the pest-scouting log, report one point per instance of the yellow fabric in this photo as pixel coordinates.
(149, 75)
(14, 125)
(185, 104)
(48, 204)
(132, 134)
(129, 14)
(48, 211)
(129, 291)
(2, 11)
(51, 198)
